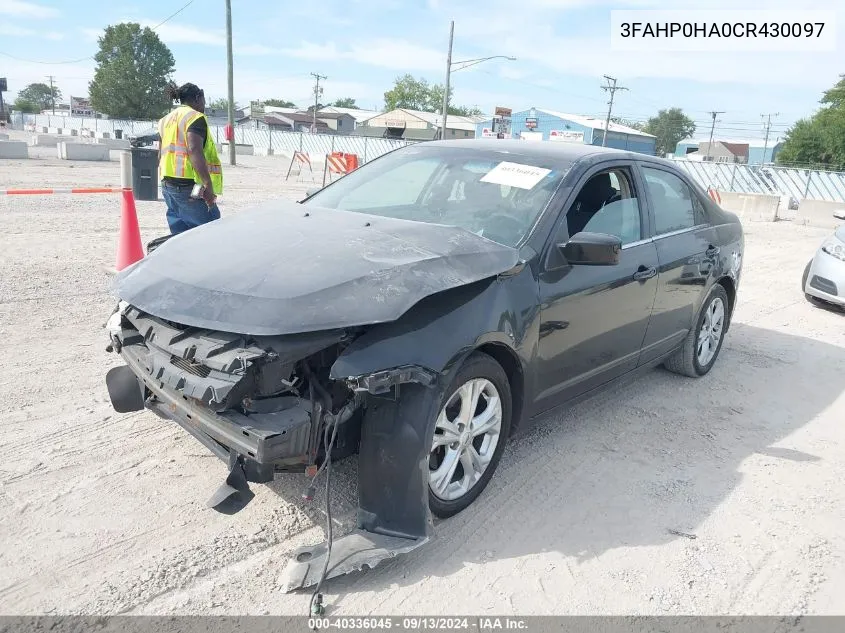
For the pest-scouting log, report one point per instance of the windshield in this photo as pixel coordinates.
(496, 194)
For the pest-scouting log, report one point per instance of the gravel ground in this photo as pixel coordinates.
(715, 496)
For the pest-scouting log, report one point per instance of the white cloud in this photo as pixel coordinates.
(384, 53)
(15, 31)
(18, 31)
(23, 9)
(171, 33)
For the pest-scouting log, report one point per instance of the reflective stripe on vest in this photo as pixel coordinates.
(174, 159)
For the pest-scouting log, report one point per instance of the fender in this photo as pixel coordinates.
(441, 330)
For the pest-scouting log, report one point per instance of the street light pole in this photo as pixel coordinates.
(448, 77)
(231, 81)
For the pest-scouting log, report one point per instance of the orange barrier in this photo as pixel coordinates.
(58, 190)
(714, 195)
(351, 162)
(300, 158)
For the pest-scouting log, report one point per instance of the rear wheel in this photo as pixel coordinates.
(470, 433)
(704, 342)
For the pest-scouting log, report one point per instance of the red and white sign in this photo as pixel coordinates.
(714, 195)
(566, 136)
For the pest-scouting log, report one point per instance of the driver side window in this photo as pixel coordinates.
(607, 203)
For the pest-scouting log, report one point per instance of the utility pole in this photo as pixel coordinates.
(612, 88)
(448, 77)
(52, 94)
(712, 127)
(768, 118)
(317, 91)
(231, 81)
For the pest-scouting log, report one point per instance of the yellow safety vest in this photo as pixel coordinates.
(174, 161)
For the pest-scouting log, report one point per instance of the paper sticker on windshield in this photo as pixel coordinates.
(516, 175)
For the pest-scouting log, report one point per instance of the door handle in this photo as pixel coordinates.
(712, 251)
(644, 273)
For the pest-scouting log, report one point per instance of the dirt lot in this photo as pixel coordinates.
(104, 513)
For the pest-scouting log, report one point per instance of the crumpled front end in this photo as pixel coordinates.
(242, 397)
(264, 405)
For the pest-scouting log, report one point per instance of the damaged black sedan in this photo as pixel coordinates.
(417, 312)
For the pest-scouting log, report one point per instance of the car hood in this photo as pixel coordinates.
(284, 268)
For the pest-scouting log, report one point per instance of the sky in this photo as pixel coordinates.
(562, 50)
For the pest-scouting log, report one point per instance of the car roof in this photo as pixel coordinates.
(560, 151)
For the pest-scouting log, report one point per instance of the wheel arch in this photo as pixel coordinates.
(727, 282)
(510, 364)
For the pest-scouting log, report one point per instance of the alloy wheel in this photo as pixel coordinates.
(711, 331)
(466, 435)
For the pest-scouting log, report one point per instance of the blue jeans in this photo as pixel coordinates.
(184, 212)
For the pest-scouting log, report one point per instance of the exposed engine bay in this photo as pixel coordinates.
(266, 405)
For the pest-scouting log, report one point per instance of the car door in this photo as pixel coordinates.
(593, 318)
(683, 239)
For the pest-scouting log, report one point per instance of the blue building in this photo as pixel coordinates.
(538, 124)
(755, 155)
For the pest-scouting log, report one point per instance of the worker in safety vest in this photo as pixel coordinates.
(188, 157)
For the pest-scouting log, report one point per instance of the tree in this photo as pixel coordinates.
(40, 95)
(279, 103)
(670, 127)
(346, 102)
(632, 124)
(819, 140)
(417, 94)
(221, 104)
(27, 107)
(133, 69)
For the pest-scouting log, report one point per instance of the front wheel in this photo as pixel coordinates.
(470, 433)
(704, 342)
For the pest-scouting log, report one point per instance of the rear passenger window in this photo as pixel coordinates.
(675, 205)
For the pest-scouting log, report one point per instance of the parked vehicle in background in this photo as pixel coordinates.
(418, 311)
(823, 282)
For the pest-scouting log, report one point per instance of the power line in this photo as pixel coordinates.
(768, 128)
(52, 94)
(714, 113)
(317, 92)
(87, 57)
(612, 88)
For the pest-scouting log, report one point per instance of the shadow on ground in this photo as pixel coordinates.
(643, 465)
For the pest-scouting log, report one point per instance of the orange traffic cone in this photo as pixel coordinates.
(129, 248)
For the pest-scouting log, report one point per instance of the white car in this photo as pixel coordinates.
(824, 275)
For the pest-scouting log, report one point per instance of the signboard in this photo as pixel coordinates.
(503, 112)
(488, 133)
(3, 86)
(256, 109)
(566, 136)
(531, 123)
(395, 123)
(80, 106)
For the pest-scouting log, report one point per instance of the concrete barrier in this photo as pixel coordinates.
(241, 150)
(47, 140)
(74, 132)
(265, 151)
(83, 151)
(754, 207)
(13, 149)
(113, 143)
(819, 213)
(103, 134)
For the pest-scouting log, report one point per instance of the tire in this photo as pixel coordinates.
(687, 361)
(450, 494)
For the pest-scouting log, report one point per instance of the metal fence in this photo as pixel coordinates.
(781, 181)
(365, 147)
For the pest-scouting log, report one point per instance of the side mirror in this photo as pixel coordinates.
(592, 249)
(839, 214)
